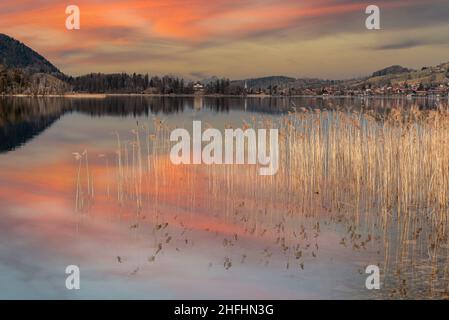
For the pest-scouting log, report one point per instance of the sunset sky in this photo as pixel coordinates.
(232, 38)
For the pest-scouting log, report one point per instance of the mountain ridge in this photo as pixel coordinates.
(25, 71)
(15, 54)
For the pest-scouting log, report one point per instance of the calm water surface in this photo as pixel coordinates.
(57, 211)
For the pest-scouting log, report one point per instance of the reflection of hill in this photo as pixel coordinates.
(14, 135)
(23, 118)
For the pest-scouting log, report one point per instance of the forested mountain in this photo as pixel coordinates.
(14, 54)
(391, 70)
(24, 71)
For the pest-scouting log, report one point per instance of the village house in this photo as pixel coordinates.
(198, 88)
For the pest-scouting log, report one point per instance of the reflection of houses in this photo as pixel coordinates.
(198, 88)
(198, 103)
(151, 90)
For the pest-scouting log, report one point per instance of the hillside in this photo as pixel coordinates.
(391, 70)
(24, 71)
(14, 54)
(427, 76)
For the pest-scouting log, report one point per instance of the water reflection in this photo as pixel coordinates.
(97, 189)
(23, 118)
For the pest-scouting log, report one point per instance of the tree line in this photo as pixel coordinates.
(142, 83)
(17, 81)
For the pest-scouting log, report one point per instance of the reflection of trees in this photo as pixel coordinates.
(23, 118)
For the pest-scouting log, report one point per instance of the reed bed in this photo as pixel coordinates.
(383, 176)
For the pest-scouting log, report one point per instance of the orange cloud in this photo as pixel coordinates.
(49, 190)
(185, 20)
(138, 35)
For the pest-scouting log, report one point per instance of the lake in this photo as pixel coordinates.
(88, 182)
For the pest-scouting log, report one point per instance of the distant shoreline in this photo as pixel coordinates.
(105, 95)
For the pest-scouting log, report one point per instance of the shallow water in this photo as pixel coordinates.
(176, 235)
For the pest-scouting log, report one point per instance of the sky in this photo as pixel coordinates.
(232, 38)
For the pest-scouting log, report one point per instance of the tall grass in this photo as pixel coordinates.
(383, 175)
